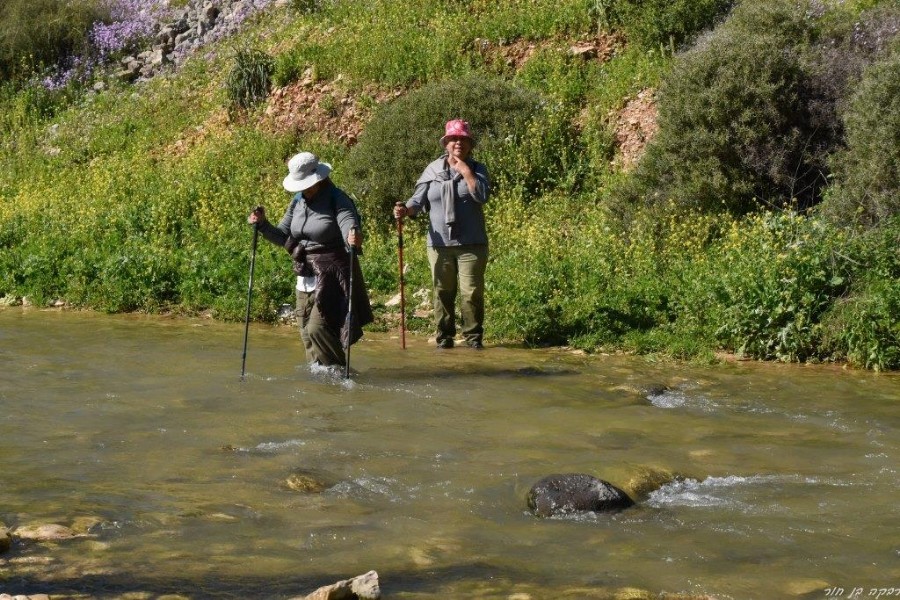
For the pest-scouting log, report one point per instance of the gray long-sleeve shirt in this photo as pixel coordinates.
(323, 222)
(469, 206)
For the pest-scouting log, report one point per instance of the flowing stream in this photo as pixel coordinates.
(138, 432)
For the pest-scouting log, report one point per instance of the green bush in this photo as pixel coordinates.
(735, 132)
(867, 171)
(402, 137)
(36, 34)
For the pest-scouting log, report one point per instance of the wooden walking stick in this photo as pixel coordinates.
(402, 284)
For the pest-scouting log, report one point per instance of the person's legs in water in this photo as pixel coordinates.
(306, 301)
(444, 279)
(323, 345)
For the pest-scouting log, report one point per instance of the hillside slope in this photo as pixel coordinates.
(647, 204)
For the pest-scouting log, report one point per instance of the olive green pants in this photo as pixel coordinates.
(322, 344)
(459, 269)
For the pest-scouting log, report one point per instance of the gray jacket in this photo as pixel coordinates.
(324, 222)
(469, 214)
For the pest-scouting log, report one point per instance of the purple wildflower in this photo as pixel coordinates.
(132, 20)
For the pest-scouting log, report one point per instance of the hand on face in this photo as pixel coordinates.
(459, 164)
(458, 148)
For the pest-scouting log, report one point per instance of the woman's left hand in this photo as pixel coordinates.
(355, 238)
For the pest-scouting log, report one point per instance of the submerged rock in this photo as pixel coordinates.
(647, 480)
(45, 533)
(308, 482)
(569, 493)
(5, 539)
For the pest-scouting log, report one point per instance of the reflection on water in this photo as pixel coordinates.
(139, 431)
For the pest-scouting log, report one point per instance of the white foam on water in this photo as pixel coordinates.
(276, 446)
(731, 491)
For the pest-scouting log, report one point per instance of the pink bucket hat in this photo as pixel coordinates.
(456, 128)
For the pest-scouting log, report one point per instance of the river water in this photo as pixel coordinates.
(139, 432)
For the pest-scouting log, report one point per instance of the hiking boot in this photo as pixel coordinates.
(445, 343)
(475, 345)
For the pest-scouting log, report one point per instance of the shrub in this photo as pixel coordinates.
(409, 129)
(250, 79)
(868, 169)
(735, 133)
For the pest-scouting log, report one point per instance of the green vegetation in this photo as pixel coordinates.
(35, 34)
(250, 79)
(762, 219)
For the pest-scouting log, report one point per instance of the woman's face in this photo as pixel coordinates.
(458, 147)
(313, 190)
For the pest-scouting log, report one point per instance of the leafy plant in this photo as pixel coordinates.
(250, 79)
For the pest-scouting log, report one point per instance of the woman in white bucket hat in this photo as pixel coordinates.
(318, 228)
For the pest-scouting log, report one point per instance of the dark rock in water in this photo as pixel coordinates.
(655, 390)
(575, 492)
(5, 539)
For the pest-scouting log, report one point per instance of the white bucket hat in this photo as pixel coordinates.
(305, 171)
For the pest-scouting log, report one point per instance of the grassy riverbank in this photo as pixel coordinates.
(676, 178)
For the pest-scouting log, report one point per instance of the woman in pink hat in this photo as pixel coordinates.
(453, 191)
(318, 228)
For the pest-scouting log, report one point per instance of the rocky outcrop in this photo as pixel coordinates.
(565, 494)
(198, 23)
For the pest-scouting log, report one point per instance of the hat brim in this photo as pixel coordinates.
(443, 141)
(293, 184)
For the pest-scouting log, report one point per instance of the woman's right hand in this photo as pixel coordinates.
(400, 210)
(257, 216)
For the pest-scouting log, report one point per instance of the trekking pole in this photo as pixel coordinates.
(402, 283)
(249, 294)
(349, 311)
